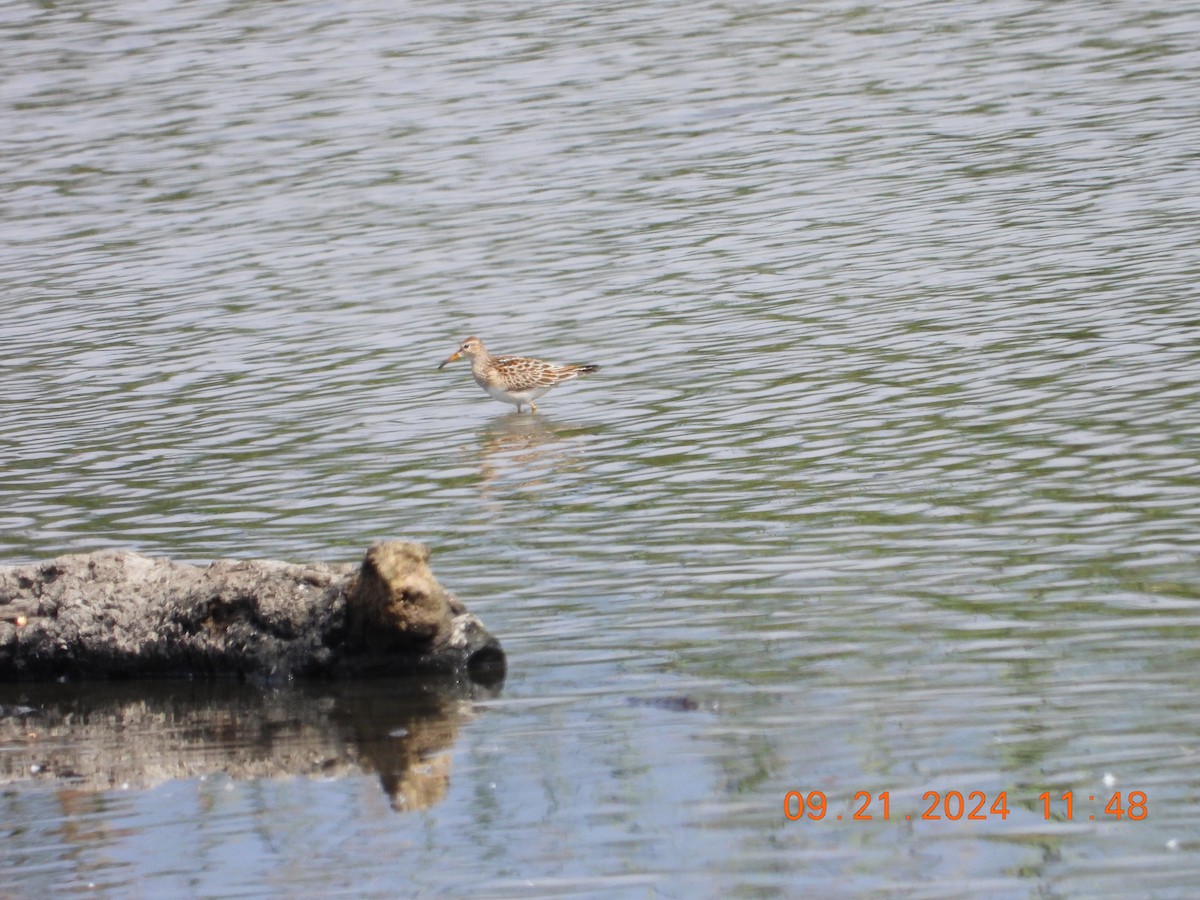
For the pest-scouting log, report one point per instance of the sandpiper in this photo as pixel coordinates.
(514, 379)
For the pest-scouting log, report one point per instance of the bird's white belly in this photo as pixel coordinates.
(499, 392)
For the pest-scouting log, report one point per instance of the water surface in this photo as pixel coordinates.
(889, 482)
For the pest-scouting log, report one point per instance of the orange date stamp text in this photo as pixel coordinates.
(974, 806)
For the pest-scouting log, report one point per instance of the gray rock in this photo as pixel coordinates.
(115, 613)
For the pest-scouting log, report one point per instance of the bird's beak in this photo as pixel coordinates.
(451, 358)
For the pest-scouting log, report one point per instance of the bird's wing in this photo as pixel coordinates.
(522, 373)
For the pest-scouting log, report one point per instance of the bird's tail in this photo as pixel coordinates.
(587, 370)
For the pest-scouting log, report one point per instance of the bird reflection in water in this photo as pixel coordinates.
(525, 451)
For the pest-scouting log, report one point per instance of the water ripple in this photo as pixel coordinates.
(894, 457)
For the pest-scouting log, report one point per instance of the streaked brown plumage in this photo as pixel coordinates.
(514, 379)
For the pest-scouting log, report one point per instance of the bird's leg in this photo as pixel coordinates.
(532, 408)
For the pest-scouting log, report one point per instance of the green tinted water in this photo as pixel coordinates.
(889, 483)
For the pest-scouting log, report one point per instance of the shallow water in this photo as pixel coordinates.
(889, 482)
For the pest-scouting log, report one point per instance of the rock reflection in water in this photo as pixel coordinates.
(96, 737)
